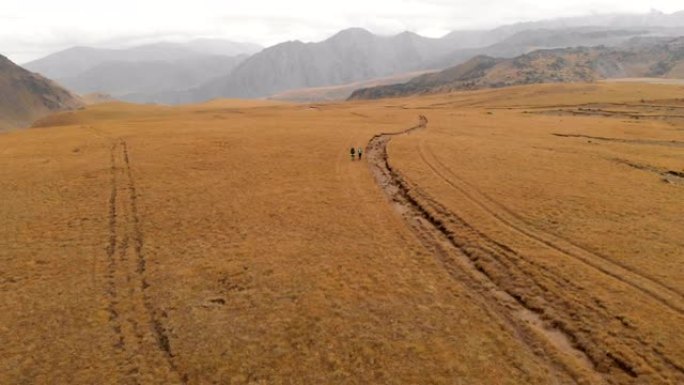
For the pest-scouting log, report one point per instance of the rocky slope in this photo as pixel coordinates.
(349, 56)
(26, 96)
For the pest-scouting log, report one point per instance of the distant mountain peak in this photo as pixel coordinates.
(352, 33)
(408, 35)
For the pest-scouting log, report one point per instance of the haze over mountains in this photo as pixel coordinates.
(26, 96)
(136, 74)
(173, 73)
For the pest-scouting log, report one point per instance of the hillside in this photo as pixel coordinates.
(25, 96)
(640, 57)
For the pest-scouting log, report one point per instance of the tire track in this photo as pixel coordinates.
(154, 316)
(141, 341)
(550, 344)
(623, 356)
(125, 341)
(114, 321)
(582, 319)
(668, 296)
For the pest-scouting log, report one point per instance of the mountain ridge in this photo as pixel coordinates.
(349, 56)
(638, 58)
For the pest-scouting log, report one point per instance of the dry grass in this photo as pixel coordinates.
(234, 242)
(590, 206)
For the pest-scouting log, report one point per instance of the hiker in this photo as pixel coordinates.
(352, 153)
(360, 152)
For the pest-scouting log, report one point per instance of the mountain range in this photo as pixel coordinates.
(639, 57)
(349, 56)
(135, 74)
(26, 96)
(181, 73)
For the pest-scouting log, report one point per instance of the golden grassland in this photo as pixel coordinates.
(586, 194)
(235, 242)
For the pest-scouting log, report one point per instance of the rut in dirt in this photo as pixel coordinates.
(140, 340)
(551, 344)
(510, 286)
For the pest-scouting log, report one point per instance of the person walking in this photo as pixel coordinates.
(360, 152)
(352, 152)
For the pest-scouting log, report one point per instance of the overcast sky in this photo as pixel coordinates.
(33, 28)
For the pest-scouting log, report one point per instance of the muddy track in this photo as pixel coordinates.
(528, 295)
(549, 343)
(142, 344)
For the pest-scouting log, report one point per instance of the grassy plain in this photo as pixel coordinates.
(235, 242)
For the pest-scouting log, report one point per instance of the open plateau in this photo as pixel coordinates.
(532, 234)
